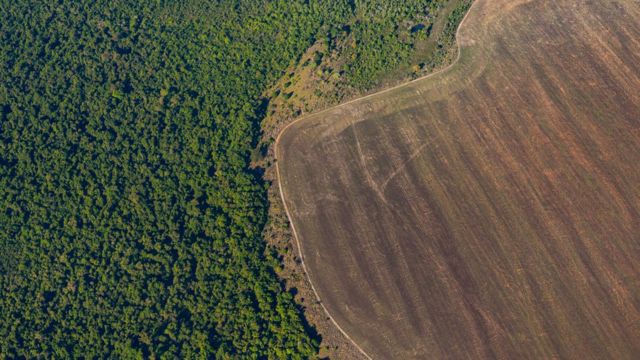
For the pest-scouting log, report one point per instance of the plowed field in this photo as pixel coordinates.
(491, 210)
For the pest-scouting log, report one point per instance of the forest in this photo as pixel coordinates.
(130, 219)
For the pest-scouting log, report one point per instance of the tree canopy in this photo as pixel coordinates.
(129, 219)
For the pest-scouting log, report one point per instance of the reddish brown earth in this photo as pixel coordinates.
(491, 210)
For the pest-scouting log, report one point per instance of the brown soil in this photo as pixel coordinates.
(491, 210)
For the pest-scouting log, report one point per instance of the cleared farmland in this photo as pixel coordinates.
(491, 210)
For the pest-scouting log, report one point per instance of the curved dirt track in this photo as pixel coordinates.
(491, 210)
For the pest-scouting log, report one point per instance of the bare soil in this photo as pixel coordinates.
(491, 210)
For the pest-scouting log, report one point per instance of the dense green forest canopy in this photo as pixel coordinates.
(130, 221)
